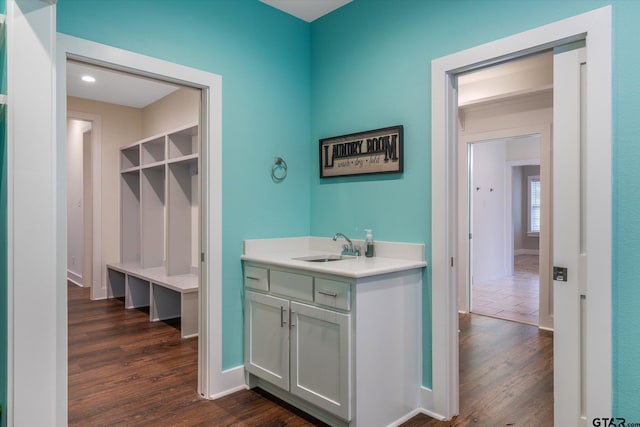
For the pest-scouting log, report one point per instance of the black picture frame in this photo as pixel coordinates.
(370, 152)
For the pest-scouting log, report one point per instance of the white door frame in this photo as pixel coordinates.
(98, 277)
(595, 28)
(212, 381)
(36, 223)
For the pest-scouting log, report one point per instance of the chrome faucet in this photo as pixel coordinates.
(348, 248)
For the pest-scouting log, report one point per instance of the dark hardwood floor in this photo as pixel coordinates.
(506, 375)
(125, 370)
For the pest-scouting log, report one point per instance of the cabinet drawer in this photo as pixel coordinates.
(333, 293)
(256, 278)
(297, 286)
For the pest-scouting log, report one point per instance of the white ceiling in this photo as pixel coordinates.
(307, 10)
(114, 87)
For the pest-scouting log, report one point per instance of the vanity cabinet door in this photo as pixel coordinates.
(321, 358)
(267, 338)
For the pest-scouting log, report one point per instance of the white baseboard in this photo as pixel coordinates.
(231, 381)
(426, 404)
(74, 278)
(406, 418)
(517, 252)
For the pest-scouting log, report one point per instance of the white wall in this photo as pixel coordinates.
(488, 188)
(526, 148)
(177, 109)
(75, 199)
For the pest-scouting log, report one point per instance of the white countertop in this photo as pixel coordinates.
(394, 257)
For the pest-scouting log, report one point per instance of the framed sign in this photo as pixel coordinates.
(374, 151)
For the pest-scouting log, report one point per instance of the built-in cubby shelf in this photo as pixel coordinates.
(159, 201)
(183, 143)
(130, 217)
(152, 213)
(153, 151)
(181, 215)
(129, 158)
(160, 216)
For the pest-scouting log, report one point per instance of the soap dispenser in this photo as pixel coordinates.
(368, 243)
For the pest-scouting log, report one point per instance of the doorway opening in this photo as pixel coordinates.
(503, 113)
(504, 141)
(595, 26)
(133, 157)
(79, 202)
(505, 224)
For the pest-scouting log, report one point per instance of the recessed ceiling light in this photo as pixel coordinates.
(88, 79)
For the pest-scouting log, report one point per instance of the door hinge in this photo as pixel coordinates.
(451, 261)
(201, 256)
(470, 236)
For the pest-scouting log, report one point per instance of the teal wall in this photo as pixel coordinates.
(287, 83)
(263, 58)
(370, 65)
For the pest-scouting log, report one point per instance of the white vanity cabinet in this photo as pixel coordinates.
(267, 337)
(320, 359)
(295, 344)
(339, 340)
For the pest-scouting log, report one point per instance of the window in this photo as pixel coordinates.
(533, 211)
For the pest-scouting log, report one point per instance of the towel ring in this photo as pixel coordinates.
(279, 169)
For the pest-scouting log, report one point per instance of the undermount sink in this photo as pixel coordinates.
(322, 258)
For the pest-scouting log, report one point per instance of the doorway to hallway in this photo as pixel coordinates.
(595, 26)
(505, 221)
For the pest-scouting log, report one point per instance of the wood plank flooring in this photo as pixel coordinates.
(506, 375)
(513, 297)
(127, 371)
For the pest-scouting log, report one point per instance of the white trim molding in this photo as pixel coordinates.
(595, 28)
(36, 250)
